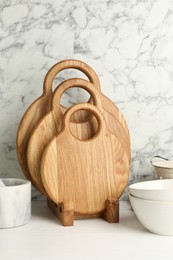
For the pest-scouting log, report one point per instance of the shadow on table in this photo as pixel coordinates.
(132, 223)
(40, 210)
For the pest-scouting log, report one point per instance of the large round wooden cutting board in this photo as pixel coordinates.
(88, 172)
(41, 106)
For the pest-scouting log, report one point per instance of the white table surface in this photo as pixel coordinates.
(94, 239)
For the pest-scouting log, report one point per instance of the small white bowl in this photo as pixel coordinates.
(163, 169)
(156, 216)
(160, 190)
(15, 202)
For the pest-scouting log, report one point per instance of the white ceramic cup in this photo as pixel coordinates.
(15, 202)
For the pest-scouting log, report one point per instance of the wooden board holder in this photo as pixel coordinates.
(65, 212)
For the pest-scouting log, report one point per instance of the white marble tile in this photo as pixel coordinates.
(129, 45)
(13, 14)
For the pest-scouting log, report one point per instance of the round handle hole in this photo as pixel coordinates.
(73, 95)
(84, 130)
(67, 74)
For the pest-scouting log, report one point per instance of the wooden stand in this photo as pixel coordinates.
(111, 213)
(65, 212)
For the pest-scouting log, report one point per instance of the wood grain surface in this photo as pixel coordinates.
(51, 124)
(86, 173)
(41, 106)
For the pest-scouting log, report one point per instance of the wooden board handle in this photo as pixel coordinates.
(70, 83)
(69, 64)
(89, 107)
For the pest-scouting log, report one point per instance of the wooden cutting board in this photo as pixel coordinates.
(86, 173)
(41, 106)
(51, 124)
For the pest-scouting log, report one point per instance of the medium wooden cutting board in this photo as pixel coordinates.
(51, 124)
(84, 173)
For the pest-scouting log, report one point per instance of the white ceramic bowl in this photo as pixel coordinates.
(163, 169)
(160, 190)
(15, 202)
(156, 216)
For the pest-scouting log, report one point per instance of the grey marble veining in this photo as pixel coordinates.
(128, 43)
(15, 202)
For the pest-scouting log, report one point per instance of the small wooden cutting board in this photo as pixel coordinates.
(84, 173)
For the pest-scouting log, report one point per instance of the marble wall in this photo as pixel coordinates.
(128, 43)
